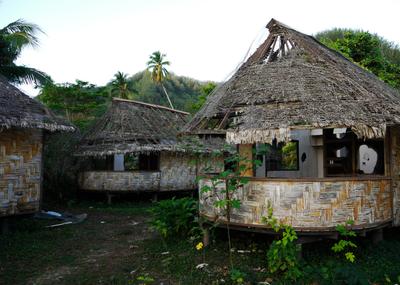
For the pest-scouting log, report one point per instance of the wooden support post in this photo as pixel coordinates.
(109, 198)
(206, 236)
(155, 197)
(300, 252)
(246, 151)
(377, 236)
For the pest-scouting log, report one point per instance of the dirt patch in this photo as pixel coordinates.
(101, 246)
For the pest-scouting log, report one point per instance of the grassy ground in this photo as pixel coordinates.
(115, 246)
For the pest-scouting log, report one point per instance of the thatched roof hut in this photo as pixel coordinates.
(23, 122)
(293, 81)
(18, 110)
(135, 147)
(132, 126)
(330, 131)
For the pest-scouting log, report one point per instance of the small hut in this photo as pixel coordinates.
(23, 124)
(330, 130)
(134, 147)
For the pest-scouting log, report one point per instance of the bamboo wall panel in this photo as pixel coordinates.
(318, 204)
(20, 171)
(395, 172)
(119, 181)
(178, 172)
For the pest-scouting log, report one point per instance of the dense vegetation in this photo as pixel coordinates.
(370, 51)
(82, 102)
(115, 246)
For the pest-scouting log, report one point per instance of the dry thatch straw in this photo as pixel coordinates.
(21, 111)
(132, 126)
(293, 81)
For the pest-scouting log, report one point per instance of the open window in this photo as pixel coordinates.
(149, 162)
(145, 162)
(102, 163)
(127, 162)
(345, 154)
(282, 156)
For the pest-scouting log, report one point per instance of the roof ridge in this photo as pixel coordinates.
(274, 22)
(150, 105)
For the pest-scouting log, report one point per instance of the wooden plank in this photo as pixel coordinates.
(246, 151)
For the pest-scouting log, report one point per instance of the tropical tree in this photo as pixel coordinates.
(156, 65)
(370, 51)
(13, 38)
(120, 85)
(80, 102)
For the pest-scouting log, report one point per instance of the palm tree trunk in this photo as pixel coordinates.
(165, 91)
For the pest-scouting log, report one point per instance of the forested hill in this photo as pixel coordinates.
(370, 51)
(183, 91)
(82, 102)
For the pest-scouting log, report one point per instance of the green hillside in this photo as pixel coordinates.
(183, 91)
(82, 102)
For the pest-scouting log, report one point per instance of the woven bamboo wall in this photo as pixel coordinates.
(178, 172)
(395, 172)
(119, 181)
(318, 204)
(20, 171)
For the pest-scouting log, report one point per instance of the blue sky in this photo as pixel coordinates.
(206, 39)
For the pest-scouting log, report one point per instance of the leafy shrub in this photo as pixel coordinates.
(283, 253)
(335, 273)
(344, 244)
(237, 276)
(61, 167)
(174, 217)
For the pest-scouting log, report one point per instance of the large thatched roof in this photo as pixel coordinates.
(293, 81)
(132, 126)
(19, 110)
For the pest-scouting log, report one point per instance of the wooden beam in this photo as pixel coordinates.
(246, 151)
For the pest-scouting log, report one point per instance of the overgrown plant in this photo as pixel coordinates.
(224, 186)
(345, 244)
(174, 217)
(237, 276)
(283, 253)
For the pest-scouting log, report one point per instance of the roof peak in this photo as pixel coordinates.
(149, 105)
(275, 23)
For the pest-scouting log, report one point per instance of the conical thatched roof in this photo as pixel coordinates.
(293, 81)
(19, 110)
(132, 126)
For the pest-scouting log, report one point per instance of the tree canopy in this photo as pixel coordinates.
(120, 86)
(156, 65)
(80, 102)
(370, 51)
(13, 39)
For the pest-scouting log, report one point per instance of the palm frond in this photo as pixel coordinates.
(21, 33)
(24, 75)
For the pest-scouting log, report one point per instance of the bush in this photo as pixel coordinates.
(60, 167)
(174, 217)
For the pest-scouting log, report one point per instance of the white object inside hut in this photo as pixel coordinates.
(339, 132)
(368, 159)
(119, 162)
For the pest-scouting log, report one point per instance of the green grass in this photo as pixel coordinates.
(32, 250)
(31, 246)
(179, 265)
(124, 208)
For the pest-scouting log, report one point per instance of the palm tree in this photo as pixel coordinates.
(120, 85)
(156, 65)
(13, 38)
